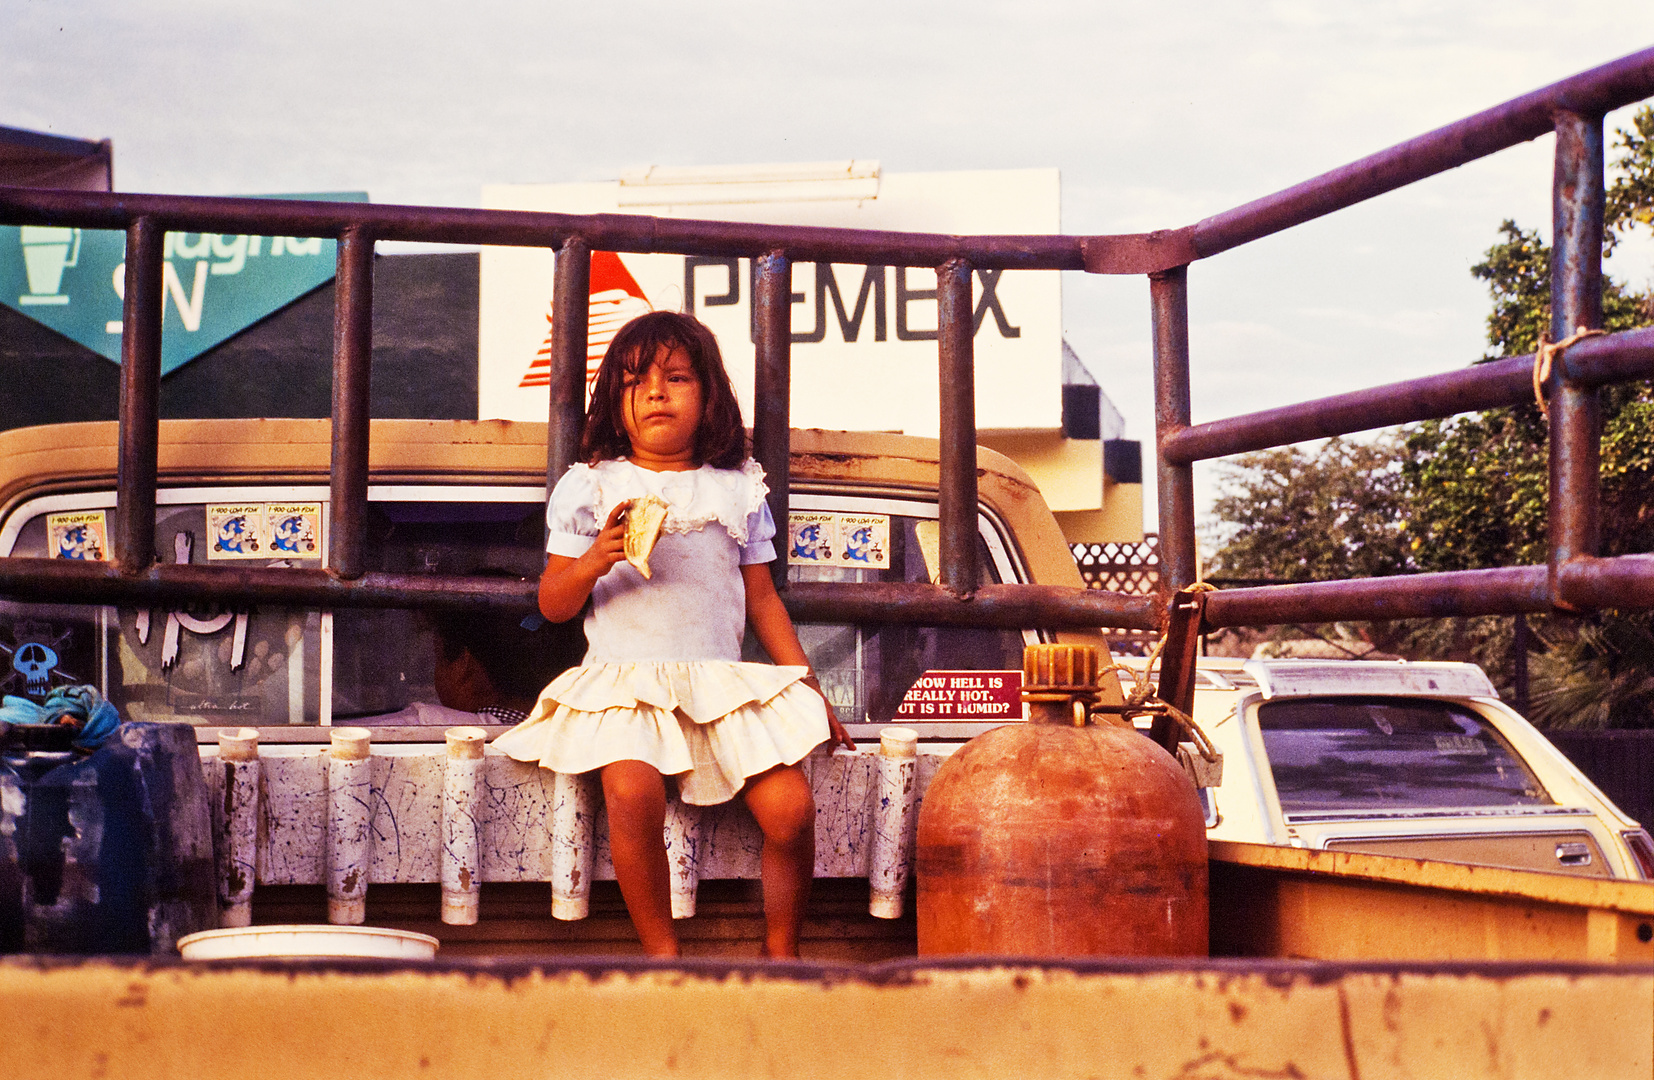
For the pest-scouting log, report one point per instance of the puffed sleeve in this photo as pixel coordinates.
(571, 513)
(760, 546)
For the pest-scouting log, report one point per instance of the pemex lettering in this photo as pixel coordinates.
(872, 300)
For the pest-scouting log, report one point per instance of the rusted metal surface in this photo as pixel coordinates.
(1178, 654)
(1175, 485)
(513, 228)
(352, 363)
(1502, 591)
(956, 497)
(1008, 606)
(1345, 905)
(1592, 362)
(570, 322)
(1139, 253)
(772, 391)
(1623, 582)
(1593, 92)
(1061, 837)
(140, 397)
(1576, 224)
(68, 581)
(982, 1017)
(1576, 304)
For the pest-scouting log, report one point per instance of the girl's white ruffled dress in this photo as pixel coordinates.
(663, 681)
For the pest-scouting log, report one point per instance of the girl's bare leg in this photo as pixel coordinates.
(781, 802)
(636, 796)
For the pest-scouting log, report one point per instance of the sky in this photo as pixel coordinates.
(1156, 114)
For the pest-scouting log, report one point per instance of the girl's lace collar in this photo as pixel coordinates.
(693, 499)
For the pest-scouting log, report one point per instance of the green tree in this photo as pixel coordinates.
(1296, 514)
(1631, 193)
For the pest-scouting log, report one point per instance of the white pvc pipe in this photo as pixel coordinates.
(573, 814)
(238, 824)
(892, 855)
(461, 844)
(683, 855)
(349, 825)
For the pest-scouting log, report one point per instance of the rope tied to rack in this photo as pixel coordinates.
(1143, 699)
(1546, 355)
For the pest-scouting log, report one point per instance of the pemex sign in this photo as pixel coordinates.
(863, 337)
(213, 286)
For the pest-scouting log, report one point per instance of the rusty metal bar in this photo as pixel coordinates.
(956, 493)
(140, 400)
(68, 581)
(1576, 303)
(570, 320)
(352, 361)
(1593, 362)
(772, 391)
(1623, 582)
(1169, 308)
(1502, 591)
(1593, 92)
(1010, 607)
(1179, 654)
(522, 228)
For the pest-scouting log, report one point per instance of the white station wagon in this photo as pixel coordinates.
(1418, 760)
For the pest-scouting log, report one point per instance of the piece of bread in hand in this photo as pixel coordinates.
(644, 519)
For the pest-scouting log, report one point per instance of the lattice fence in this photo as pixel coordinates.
(1123, 568)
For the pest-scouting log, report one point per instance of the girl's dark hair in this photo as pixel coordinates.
(720, 441)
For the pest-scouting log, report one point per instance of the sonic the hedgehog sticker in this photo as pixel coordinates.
(80, 535)
(861, 541)
(295, 530)
(812, 538)
(864, 541)
(236, 531)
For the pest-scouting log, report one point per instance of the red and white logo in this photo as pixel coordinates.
(616, 299)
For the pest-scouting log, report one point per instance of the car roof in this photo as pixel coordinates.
(82, 457)
(1278, 678)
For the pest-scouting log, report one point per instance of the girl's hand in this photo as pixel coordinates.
(610, 546)
(836, 735)
(566, 583)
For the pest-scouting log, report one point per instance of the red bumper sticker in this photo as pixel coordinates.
(964, 695)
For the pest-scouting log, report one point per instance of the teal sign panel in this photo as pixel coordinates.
(213, 286)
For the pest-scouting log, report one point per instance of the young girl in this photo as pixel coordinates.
(663, 691)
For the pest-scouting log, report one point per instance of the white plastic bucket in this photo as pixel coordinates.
(306, 942)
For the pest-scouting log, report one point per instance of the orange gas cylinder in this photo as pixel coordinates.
(1062, 837)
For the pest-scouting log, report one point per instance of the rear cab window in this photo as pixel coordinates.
(292, 668)
(1338, 754)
